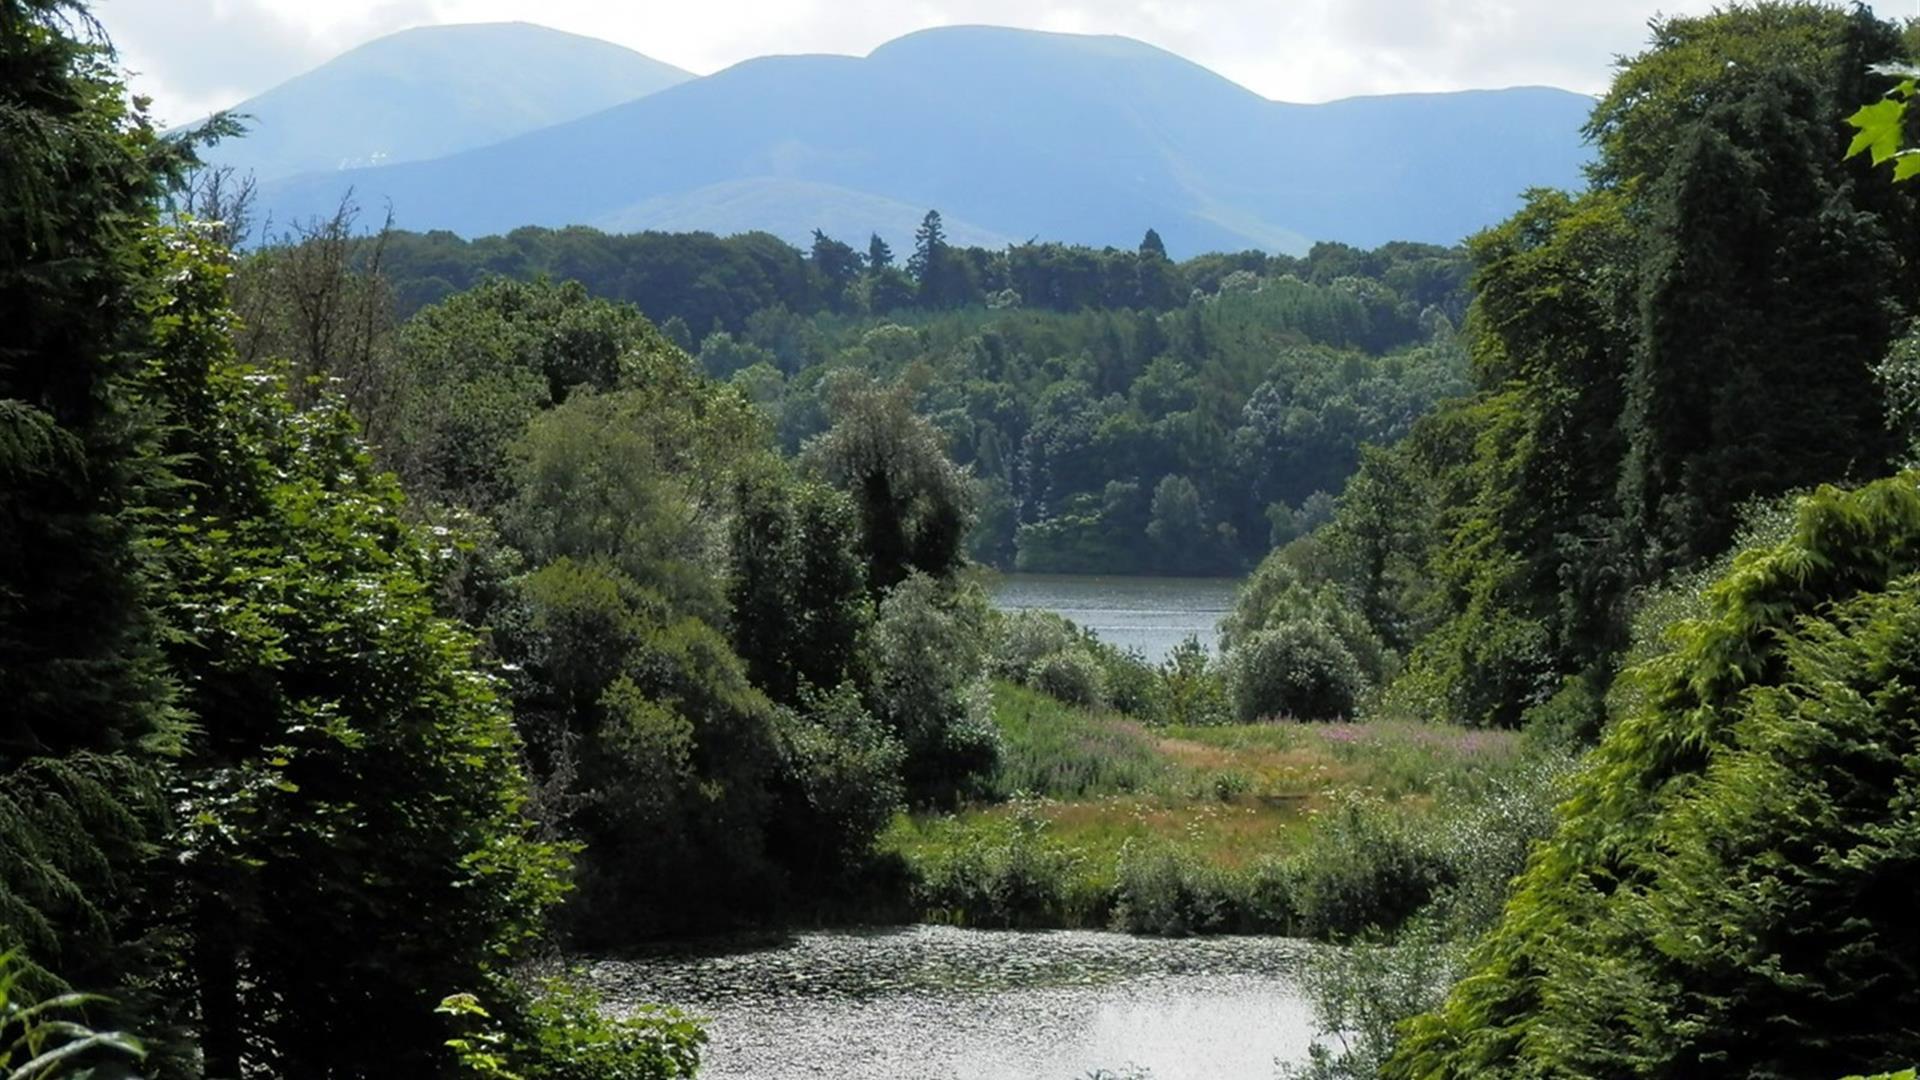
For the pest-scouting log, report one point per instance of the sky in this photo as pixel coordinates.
(194, 56)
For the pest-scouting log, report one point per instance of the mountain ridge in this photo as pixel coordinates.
(1087, 139)
(428, 91)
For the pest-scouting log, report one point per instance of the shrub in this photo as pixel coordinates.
(1026, 638)
(1297, 669)
(1192, 686)
(1133, 686)
(1010, 876)
(555, 1029)
(1161, 890)
(1748, 820)
(1072, 676)
(1363, 867)
(840, 769)
(929, 693)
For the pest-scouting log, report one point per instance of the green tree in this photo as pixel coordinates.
(87, 702)
(797, 592)
(915, 505)
(838, 266)
(1722, 892)
(929, 657)
(350, 764)
(879, 255)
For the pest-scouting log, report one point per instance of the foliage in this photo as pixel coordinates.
(1072, 676)
(929, 689)
(87, 701)
(1644, 367)
(1008, 878)
(556, 1029)
(316, 672)
(39, 1039)
(1054, 750)
(1298, 670)
(915, 507)
(1106, 374)
(848, 768)
(1362, 994)
(1725, 856)
(1195, 685)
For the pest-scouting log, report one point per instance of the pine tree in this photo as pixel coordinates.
(931, 265)
(879, 254)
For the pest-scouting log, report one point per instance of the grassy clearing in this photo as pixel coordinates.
(1315, 828)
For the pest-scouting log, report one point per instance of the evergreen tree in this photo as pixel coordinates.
(879, 254)
(82, 699)
(838, 266)
(931, 265)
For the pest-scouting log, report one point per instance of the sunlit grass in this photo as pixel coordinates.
(1091, 785)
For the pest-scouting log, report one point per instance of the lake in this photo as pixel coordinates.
(1151, 614)
(940, 1003)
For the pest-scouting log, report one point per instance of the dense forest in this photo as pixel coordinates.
(1122, 413)
(386, 617)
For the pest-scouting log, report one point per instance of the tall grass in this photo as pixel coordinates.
(1058, 751)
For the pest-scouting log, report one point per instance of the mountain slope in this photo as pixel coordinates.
(1017, 133)
(436, 90)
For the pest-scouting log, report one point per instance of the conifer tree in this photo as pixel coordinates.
(82, 697)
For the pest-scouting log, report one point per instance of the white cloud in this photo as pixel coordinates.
(194, 55)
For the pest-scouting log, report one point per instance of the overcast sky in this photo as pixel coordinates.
(193, 56)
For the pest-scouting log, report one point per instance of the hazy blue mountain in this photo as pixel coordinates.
(1012, 133)
(433, 91)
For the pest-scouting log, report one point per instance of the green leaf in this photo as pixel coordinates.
(1906, 164)
(1878, 129)
(112, 1040)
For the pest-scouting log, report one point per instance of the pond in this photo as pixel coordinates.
(940, 1003)
(1151, 614)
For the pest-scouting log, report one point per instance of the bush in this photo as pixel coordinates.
(1361, 995)
(1026, 638)
(1297, 669)
(840, 775)
(1009, 877)
(1161, 890)
(555, 1029)
(1731, 871)
(1072, 676)
(1192, 686)
(1363, 867)
(1133, 686)
(929, 692)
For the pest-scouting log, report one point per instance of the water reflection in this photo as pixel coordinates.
(938, 1003)
(1149, 614)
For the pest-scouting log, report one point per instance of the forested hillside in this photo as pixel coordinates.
(1121, 412)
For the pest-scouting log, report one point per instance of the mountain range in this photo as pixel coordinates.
(1011, 134)
(435, 90)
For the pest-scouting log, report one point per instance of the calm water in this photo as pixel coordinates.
(938, 1003)
(1149, 614)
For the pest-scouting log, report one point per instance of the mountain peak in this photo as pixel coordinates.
(428, 91)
